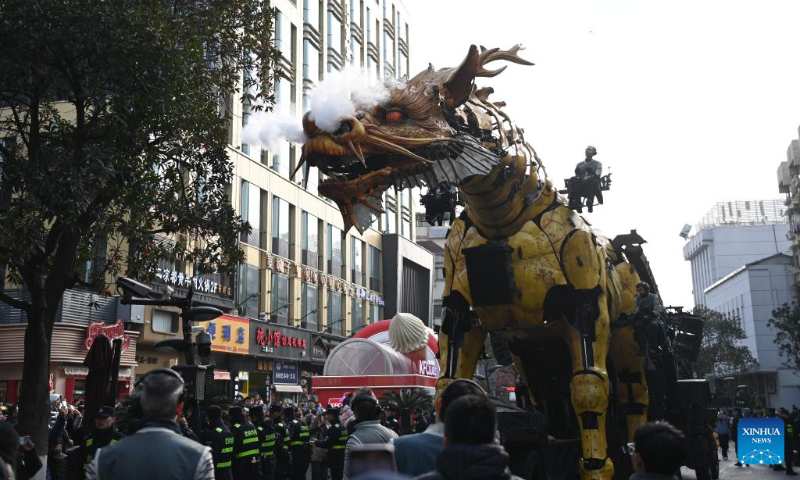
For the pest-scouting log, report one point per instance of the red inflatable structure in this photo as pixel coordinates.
(370, 359)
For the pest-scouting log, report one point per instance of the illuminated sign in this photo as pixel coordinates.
(229, 334)
(279, 341)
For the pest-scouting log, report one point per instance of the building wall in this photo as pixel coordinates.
(717, 251)
(751, 295)
(400, 251)
(318, 38)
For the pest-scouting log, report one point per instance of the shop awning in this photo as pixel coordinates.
(222, 375)
(288, 388)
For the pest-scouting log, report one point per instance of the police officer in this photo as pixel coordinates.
(282, 440)
(391, 418)
(103, 434)
(220, 439)
(299, 447)
(335, 441)
(266, 436)
(246, 454)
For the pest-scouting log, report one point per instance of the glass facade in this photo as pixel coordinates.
(336, 321)
(320, 43)
(335, 257)
(281, 233)
(375, 268)
(357, 311)
(250, 209)
(310, 240)
(279, 294)
(249, 290)
(309, 308)
(356, 261)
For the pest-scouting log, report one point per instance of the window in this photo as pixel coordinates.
(375, 313)
(95, 266)
(375, 267)
(310, 240)
(334, 32)
(251, 212)
(5, 143)
(311, 13)
(309, 308)
(402, 65)
(280, 227)
(356, 261)
(415, 291)
(284, 38)
(390, 221)
(405, 227)
(335, 320)
(284, 105)
(355, 51)
(165, 322)
(355, 12)
(310, 61)
(279, 299)
(370, 32)
(358, 315)
(249, 290)
(334, 251)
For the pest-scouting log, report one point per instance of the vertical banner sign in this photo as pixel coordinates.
(760, 441)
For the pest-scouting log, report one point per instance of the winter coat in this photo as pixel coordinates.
(723, 426)
(367, 432)
(471, 462)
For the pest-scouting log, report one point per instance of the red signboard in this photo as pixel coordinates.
(274, 338)
(111, 332)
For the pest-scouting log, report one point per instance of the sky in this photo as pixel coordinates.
(687, 102)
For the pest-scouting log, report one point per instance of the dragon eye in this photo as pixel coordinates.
(395, 116)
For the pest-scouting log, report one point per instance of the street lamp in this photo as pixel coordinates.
(307, 314)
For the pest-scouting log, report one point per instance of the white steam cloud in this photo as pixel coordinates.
(341, 94)
(334, 99)
(268, 129)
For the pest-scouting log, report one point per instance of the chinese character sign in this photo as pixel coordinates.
(229, 334)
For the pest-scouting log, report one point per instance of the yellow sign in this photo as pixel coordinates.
(230, 334)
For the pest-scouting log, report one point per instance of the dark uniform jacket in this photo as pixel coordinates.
(269, 438)
(246, 450)
(220, 439)
(97, 440)
(335, 441)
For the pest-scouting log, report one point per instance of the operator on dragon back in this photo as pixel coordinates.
(647, 318)
(586, 182)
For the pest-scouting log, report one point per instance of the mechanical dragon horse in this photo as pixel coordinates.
(518, 262)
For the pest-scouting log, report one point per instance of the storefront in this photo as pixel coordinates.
(68, 349)
(281, 352)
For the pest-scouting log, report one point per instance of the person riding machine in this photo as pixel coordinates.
(649, 328)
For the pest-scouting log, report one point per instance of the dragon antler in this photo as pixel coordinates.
(494, 54)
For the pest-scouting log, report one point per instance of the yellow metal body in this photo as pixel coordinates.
(557, 247)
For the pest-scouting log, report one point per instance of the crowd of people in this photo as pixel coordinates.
(360, 439)
(727, 428)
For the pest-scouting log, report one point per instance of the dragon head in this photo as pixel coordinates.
(434, 127)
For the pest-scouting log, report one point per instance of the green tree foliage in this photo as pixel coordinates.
(113, 128)
(407, 401)
(786, 323)
(721, 353)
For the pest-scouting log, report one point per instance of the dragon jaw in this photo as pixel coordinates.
(436, 127)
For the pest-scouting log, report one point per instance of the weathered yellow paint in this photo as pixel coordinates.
(557, 248)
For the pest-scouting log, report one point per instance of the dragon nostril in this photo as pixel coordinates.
(344, 127)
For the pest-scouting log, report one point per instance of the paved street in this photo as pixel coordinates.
(728, 470)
